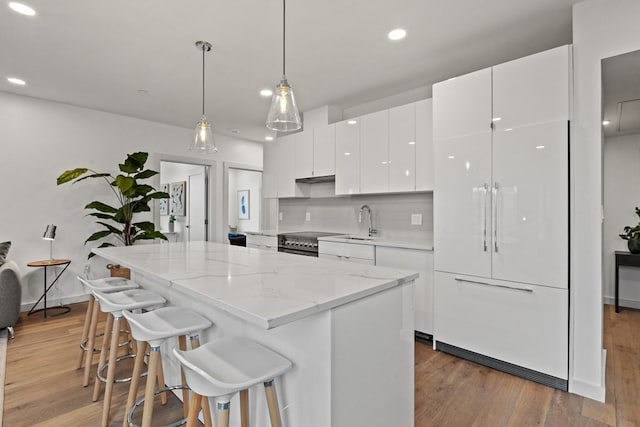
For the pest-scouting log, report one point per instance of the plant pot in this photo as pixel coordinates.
(634, 246)
(171, 225)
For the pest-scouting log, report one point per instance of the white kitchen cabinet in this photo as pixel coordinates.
(285, 152)
(316, 152)
(351, 252)
(374, 152)
(402, 148)
(260, 241)
(522, 324)
(501, 215)
(270, 163)
(424, 145)
(420, 261)
(347, 157)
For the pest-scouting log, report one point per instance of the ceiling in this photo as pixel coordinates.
(621, 94)
(138, 58)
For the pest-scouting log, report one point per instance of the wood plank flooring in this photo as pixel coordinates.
(43, 388)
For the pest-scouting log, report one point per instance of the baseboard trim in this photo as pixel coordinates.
(500, 365)
(629, 303)
(53, 302)
(4, 337)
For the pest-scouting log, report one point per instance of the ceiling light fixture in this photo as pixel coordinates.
(16, 81)
(203, 137)
(606, 122)
(283, 115)
(397, 34)
(268, 138)
(22, 9)
(266, 92)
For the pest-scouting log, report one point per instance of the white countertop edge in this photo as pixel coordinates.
(378, 241)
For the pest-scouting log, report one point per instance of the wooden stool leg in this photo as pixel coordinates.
(244, 408)
(182, 345)
(206, 409)
(272, 403)
(192, 419)
(85, 330)
(135, 380)
(103, 355)
(222, 414)
(88, 360)
(147, 410)
(161, 383)
(111, 370)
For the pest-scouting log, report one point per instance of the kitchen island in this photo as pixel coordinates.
(348, 329)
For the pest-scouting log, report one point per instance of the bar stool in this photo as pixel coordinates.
(223, 367)
(114, 304)
(153, 328)
(108, 284)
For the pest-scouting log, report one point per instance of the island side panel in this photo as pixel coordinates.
(304, 392)
(373, 360)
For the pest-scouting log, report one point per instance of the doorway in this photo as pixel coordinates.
(190, 181)
(243, 198)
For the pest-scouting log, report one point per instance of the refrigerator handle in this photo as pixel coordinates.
(484, 214)
(496, 189)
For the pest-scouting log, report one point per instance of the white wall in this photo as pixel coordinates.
(621, 196)
(240, 179)
(601, 28)
(41, 139)
(391, 215)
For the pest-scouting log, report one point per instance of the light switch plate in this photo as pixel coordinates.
(307, 216)
(416, 219)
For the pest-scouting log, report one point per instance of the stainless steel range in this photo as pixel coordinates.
(301, 243)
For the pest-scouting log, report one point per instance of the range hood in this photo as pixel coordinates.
(316, 179)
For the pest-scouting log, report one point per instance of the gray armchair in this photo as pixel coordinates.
(10, 295)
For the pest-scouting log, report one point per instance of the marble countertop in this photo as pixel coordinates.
(422, 244)
(266, 288)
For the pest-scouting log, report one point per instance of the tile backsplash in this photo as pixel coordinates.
(391, 214)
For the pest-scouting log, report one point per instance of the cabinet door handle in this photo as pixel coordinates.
(484, 214)
(493, 285)
(496, 189)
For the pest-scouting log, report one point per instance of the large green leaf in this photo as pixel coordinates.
(145, 174)
(102, 207)
(101, 215)
(125, 183)
(134, 162)
(158, 195)
(98, 235)
(70, 174)
(93, 175)
(143, 189)
(146, 226)
(110, 228)
(149, 236)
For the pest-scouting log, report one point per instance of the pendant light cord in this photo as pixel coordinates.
(204, 48)
(284, 12)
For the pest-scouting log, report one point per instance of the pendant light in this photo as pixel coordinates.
(283, 115)
(202, 141)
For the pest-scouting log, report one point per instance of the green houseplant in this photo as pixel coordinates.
(632, 236)
(131, 196)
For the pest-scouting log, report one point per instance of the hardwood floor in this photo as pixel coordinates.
(43, 388)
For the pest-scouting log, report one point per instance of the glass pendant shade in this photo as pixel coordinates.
(202, 141)
(283, 115)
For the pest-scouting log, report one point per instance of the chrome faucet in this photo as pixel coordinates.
(372, 230)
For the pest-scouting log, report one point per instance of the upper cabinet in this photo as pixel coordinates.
(347, 157)
(315, 152)
(374, 152)
(402, 148)
(278, 177)
(424, 145)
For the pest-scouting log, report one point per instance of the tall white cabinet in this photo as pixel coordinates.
(501, 215)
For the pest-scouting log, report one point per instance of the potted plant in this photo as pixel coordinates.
(632, 236)
(131, 197)
(172, 220)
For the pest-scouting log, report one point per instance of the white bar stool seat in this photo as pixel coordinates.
(115, 303)
(87, 341)
(154, 327)
(226, 366)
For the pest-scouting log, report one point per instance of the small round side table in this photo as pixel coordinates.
(45, 264)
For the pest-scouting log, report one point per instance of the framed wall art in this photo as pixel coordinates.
(164, 203)
(243, 204)
(179, 198)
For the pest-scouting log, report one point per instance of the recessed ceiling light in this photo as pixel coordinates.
(268, 138)
(397, 34)
(352, 122)
(16, 81)
(606, 122)
(266, 92)
(22, 9)
(539, 147)
(412, 143)
(451, 157)
(496, 119)
(347, 154)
